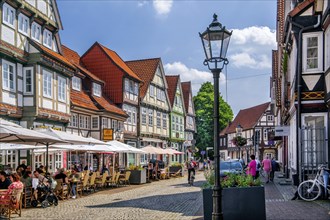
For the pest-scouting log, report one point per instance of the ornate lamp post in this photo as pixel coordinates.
(215, 40)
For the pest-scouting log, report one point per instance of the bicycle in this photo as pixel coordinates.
(192, 178)
(310, 190)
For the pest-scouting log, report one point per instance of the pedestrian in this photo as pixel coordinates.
(191, 164)
(252, 167)
(258, 167)
(267, 166)
(274, 168)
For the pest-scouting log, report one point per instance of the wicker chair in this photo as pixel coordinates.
(11, 203)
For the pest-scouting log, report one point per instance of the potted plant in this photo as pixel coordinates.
(239, 141)
(238, 190)
(138, 174)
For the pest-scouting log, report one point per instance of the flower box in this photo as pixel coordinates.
(237, 203)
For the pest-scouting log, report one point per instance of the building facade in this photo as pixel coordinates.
(154, 108)
(300, 85)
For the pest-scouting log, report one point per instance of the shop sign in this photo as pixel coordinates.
(107, 134)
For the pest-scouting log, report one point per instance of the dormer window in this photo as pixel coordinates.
(36, 31)
(76, 83)
(97, 89)
(8, 15)
(23, 24)
(47, 38)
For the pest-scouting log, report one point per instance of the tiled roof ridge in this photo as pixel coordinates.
(146, 59)
(125, 68)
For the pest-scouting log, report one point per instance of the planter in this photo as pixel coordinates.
(238, 203)
(138, 176)
(176, 169)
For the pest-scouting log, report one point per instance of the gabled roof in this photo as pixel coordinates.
(186, 90)
(74, 58)
(146, 70)
(51, 53)
(248, 118)
(82, 99)
(300, 7)
(106, 104)
(172, 83)
(117, 60)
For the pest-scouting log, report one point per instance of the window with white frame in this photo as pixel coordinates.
(164, 120)
(114, 124)
(327, 48)
(105, 123)
(144, 116)
(8, 75)
(23, 24)
(74, 120)
(159, 122)
(11, 159)
(58, 160)
(47, 38)
(270, 118)
(76, 83)
(9, 15)
(84, 121)
(151, 117)
(47, 84)
(97, 89)
(312, 52)
(152, 91)
(61, 89)
(159, 94)
(36, 31)
(95, 122)
(28, 80)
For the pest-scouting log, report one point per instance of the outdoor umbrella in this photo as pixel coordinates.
(153, 150)
(126, 148)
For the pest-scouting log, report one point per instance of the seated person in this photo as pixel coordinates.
(15, 184)
(26, 179)
(61, 175)
(4, 181)
(104, 169)
(74, 178)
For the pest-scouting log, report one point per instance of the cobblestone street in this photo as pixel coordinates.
(166, 199)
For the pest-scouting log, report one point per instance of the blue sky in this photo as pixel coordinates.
(169, 30)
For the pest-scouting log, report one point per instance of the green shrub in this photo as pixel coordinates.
(176, 164)
(231, 180)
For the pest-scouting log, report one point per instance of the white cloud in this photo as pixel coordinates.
(142, 3)
(196, 77)
(251, 47)
(162, 7)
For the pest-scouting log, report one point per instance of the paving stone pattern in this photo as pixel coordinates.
(166, 199)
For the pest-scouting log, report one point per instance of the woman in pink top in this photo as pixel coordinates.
(267, 166)
(252, 167)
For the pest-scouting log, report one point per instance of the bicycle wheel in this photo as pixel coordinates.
(307, 191)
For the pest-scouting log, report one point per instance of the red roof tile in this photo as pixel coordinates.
(172, 83)
(74, 58)
(108, 106)
(146, 70)
(186, 90)
(51, 53)
(119, 62)
(248, 118)
(82, 99)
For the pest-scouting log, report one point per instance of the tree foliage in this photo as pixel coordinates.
(203, 103)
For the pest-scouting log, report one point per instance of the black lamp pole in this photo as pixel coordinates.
(215, 42)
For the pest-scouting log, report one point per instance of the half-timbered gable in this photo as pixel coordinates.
(190, 123)
(177, 111)
(255, 122)
(154, 105)
(121, 84)
(93, 114)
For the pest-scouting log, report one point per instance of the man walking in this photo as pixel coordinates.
(274, 168)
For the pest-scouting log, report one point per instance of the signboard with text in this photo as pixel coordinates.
(107, 134)
(282, 131)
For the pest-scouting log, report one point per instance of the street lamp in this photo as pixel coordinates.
(215, 40)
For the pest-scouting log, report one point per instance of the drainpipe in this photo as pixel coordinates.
(299, 81)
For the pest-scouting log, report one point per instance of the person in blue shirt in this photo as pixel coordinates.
(4, 180)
